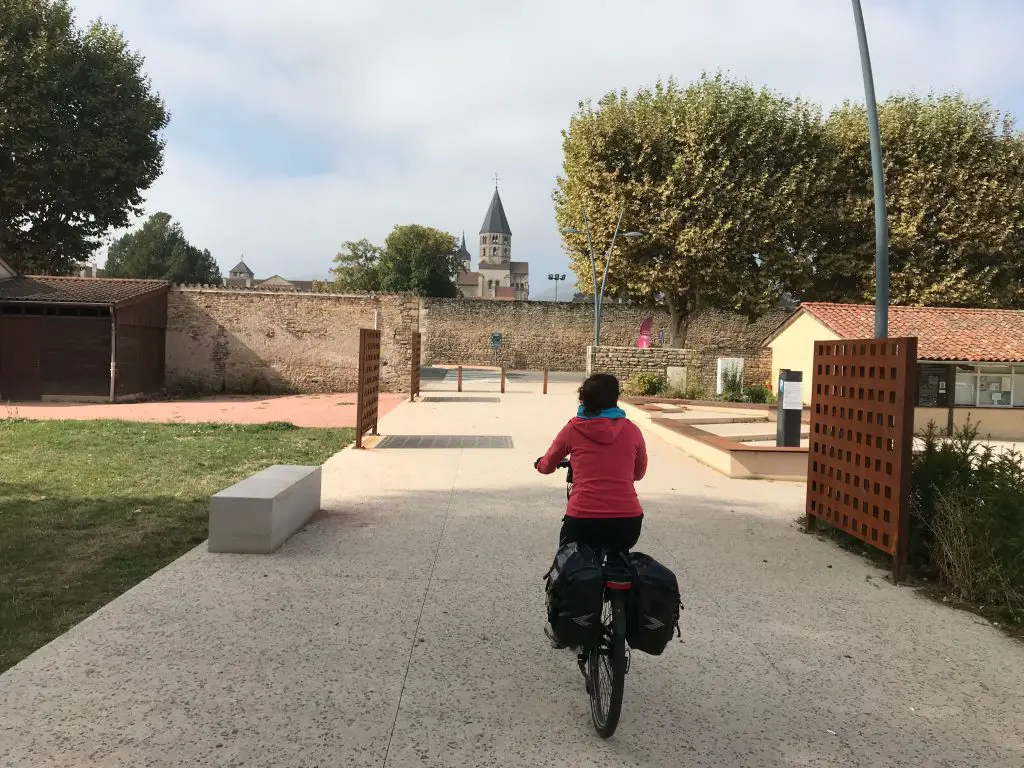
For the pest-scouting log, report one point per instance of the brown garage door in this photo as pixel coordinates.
(20, 377)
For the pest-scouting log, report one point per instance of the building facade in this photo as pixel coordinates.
(970, 361)
(497, 276)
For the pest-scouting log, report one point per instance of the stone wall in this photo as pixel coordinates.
(234, 341)
(535, 334)
(256, 341)
(624, 362)
(551, 335)
(719, 334)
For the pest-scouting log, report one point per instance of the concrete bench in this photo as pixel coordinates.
(260, 513)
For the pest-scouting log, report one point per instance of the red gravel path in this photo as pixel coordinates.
(301, 410)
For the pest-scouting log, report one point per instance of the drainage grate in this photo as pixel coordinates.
(431, 399)
(445, 441)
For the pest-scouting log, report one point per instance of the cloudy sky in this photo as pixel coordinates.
(299, 125)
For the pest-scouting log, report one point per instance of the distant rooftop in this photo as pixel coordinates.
(243, 268)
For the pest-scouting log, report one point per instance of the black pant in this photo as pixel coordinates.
(616, 534)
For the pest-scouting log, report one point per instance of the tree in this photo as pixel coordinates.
(722, 178)
(356, 267)
(79, 135)
(954, 177)
(420, 260)
(159, 250)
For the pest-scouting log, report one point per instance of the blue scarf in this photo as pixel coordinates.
(607, 413)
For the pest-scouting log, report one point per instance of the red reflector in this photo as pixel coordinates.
(619, 585)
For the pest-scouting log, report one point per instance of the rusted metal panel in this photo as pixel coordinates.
(861, 440)
(368, 388)
(414, 366)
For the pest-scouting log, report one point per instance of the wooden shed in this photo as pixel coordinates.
(81, 339)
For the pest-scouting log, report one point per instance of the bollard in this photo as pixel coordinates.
(503, 380)
(460, 378)
(545, 381)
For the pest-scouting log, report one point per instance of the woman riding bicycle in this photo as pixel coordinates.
(608, 456)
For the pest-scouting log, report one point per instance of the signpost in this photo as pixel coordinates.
(496, 339)
(791, 408)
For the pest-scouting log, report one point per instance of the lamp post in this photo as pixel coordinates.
(878, 180)
(557, 279)
(599, 288)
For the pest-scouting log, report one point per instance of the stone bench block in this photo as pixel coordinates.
(260, 513)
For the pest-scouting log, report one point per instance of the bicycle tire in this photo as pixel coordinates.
(606, 719)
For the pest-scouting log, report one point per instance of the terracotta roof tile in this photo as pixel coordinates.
(469, 278)
(505, 292)
(76, 290)
(943, 333)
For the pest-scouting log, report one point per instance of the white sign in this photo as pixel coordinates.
(793, 396)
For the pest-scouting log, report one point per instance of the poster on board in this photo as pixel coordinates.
(793, 396)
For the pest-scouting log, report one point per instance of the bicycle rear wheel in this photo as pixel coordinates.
(606, 671)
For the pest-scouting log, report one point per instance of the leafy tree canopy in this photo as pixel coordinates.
(159, 250)
(720, 176)
(954, 178)
(80, 140)
(356, 267)
(746, 196)
(415, 259)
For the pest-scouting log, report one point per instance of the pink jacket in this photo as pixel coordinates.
(608, 456)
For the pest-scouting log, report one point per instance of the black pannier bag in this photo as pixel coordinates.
(575, 596)
(656, 605)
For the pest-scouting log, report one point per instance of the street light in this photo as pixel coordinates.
(878, 180)
(557, 279)
(599, 289)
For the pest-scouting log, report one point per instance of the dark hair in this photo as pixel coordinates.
(599, 392)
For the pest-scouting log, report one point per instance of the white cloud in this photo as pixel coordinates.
(423, 102)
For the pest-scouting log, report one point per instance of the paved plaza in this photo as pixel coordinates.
(402, 628)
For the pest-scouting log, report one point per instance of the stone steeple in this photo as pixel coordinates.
(465, 256)
(495, 234)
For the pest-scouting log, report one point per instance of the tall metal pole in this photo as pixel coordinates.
(604, 278)
(593, 269)
(878, 179)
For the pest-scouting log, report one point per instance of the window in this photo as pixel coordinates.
(966, 385)
(494, 238)
(1018, 387)
(494, 251)
(989, 386)
(995, 386)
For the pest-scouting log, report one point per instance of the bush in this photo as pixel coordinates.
(645, 385)
(759, 393)
(967, 518)
(692, 391)
(732, 386)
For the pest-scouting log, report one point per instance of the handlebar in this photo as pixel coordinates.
(563, 464)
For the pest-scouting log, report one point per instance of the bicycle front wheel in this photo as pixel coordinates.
(606, 671)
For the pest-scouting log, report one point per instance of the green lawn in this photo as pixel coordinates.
(89, 509)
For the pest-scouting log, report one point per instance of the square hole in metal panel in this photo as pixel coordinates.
(410, 442)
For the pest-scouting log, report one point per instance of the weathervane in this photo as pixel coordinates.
(497, 178)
